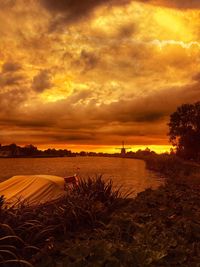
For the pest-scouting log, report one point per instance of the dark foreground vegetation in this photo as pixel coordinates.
(97, 226)
(184, 131)
(173, 167)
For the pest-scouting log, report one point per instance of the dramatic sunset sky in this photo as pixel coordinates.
(87, 74)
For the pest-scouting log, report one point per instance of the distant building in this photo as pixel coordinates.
(123, 149)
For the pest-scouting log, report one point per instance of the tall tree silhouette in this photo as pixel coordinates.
(184, 131)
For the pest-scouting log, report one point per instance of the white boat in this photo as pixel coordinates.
(34, 189)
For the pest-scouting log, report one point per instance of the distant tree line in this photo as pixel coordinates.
(14, 150)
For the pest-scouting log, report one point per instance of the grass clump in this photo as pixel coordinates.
(171, 166)
(28, 233)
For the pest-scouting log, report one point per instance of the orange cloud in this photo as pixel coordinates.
(106, 71)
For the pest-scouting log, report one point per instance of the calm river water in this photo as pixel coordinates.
(130, 173)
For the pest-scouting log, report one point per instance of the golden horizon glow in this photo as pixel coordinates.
(107, 149)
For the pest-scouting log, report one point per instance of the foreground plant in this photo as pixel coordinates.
(29, 232)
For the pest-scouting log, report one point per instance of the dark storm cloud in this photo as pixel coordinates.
(10, 101)
(11, 67)
(10, 79)
(73, 10)
(76, 9)
(75, 137)
(70, 11)
(140, 117)
(42, 81)
(196, 77)
(33, 124)
(90, 60)
(152, 108)
(86, 61)
(127, 30)
(10, 74)
(7, 3)
(150, 117)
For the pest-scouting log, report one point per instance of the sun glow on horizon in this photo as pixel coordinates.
(107, 149)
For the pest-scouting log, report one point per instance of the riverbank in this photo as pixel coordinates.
(158, 228)
(174, 168)
(96, 226)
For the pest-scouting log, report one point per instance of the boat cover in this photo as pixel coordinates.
(32, 189)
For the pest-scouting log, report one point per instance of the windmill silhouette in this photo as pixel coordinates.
(123, 149)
